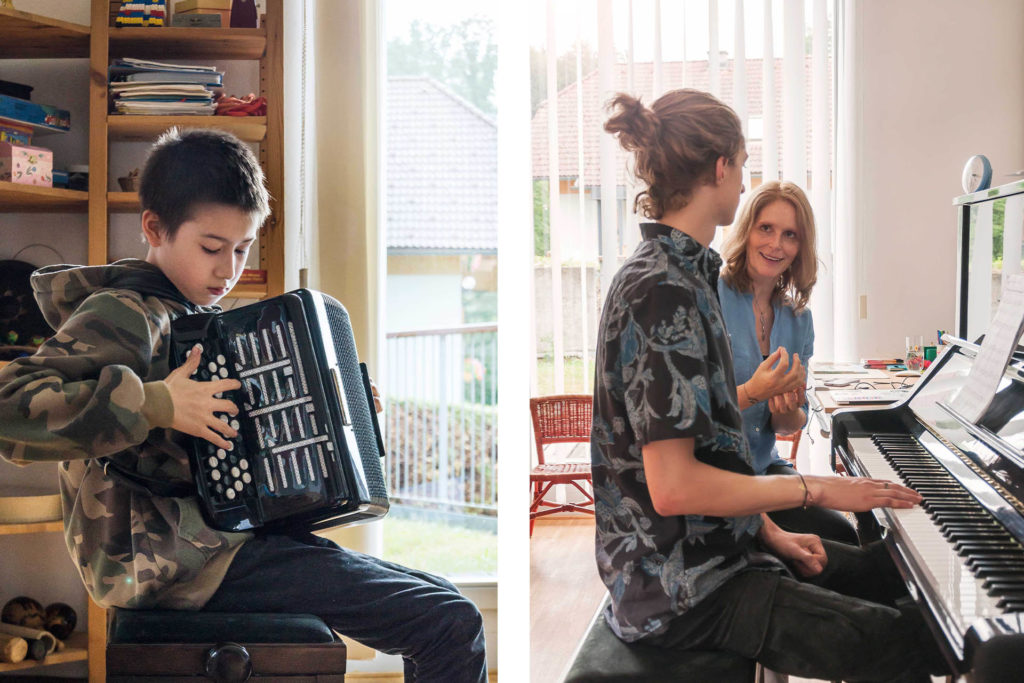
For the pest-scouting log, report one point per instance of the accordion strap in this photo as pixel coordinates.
(140, 483)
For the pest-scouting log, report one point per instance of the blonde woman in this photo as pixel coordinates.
(770, 269)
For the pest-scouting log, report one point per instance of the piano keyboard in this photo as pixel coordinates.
(955, 546)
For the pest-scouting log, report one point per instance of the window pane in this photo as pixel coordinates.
(441, 309)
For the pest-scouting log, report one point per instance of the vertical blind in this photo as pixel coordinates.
(771, 60)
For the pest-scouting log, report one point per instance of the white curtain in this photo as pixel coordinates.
(846, 265)
(771, 60)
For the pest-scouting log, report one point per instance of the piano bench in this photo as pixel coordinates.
(603, 658)
(163, 645)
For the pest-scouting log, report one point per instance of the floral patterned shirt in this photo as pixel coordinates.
(664, 370)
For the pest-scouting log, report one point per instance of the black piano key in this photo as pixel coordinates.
(1006, 582)
(994, 557)
(997, 572)
(977, 548)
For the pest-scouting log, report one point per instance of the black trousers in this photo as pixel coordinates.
(389, 607)
(854, 622)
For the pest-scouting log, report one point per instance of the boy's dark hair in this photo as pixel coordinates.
(189, 167)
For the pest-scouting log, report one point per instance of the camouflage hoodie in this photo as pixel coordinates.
(96, 389)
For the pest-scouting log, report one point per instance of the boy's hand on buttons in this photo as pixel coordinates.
(196, 405)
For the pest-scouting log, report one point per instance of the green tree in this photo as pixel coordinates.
(998, 224)
(464, 57)
(541, 222)
(565, 68)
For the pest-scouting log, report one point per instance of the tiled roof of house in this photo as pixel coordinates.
(594, 114)
(442, 170)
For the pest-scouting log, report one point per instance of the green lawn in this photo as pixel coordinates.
(445, 549)
(573, 376)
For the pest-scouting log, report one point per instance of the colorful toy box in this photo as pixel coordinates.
(12, 131)
(26, 165)
(39, 115)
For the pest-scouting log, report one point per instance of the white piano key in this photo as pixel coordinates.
(930, 551)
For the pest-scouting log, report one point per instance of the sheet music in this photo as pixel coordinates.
(1000, 339)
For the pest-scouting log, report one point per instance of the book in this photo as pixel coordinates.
(166, 91)
(203, 78)
(147, 65)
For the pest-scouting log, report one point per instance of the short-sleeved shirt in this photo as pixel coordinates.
(663, 371)
(791, 330)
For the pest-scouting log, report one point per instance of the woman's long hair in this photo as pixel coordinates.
(796, 283)
(675, 143)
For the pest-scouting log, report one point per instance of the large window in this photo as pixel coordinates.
(768, 59)
(441, 306)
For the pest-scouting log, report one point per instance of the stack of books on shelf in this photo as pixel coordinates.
(156, 88)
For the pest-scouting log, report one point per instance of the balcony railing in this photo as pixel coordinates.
(442, 400)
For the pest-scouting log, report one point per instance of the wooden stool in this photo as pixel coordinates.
(603, 658)
(158, 645)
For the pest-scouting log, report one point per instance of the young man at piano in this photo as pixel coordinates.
(690, 557)
(101, 388)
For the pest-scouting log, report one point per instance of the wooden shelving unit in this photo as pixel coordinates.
(76, 650)
(30, 36)
(123, 202)
(31, 528)
(24, 35)
(248, 128)
(249, 292)
(79, 646)
(31, 199)
(189, 43)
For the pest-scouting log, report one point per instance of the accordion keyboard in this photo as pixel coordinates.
(227, 471)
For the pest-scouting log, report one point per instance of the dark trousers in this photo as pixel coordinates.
(828, 524)
(388, 607)
(854, 622)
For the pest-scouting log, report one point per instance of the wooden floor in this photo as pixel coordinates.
(565, 591)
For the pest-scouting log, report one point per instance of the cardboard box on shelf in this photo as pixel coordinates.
(188, 5)
(224, 14)
(12, 131)
(196, 21)
(26, 165)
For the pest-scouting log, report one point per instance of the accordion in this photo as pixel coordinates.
(309, 448)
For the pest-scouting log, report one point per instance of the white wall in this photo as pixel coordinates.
(939, 81)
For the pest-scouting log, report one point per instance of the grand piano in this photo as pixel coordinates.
(961, 552)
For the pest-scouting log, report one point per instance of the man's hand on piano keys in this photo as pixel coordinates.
(859, 494)
(196, 404)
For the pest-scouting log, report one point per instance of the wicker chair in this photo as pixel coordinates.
(794, 443)
(564, 418)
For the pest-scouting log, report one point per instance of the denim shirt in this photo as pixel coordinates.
(792, 331)
(663, 371)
